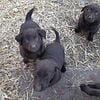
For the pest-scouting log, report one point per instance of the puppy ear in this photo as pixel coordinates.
(84, 8)
(18, 38)
(42, 33)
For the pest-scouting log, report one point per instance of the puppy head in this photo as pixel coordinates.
(31, 39)
(91, 13)
(45, 72)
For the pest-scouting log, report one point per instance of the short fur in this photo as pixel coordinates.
(30, 39)
(89, 21)
(91, 89)
(50, 66)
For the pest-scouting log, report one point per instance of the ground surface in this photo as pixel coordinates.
(83, 58)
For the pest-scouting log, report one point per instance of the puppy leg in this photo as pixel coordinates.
(92, 31)
(25, 60)
(90, 91)
(90, 37)
(63, 69)
(95, 86)
(77, 29)
(80, 24)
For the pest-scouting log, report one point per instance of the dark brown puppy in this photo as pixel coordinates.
(91, 89)
(30, 39)
(49, 68)
(89, 20)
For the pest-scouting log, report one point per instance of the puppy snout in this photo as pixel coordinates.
(37, 87)
(91, 17)
(33, 46)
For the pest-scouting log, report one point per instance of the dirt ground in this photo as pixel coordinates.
(82, 57)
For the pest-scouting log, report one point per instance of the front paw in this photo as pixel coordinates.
(63, 69)
(77, 30)
(83, 87)
(90, 38)
(25, 61)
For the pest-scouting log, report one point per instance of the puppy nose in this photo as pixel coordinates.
(90, 17)
(33, 46)
(37, 87)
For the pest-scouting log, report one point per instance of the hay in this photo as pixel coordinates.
(62, 14)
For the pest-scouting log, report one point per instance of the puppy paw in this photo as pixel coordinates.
(90, 38)
(77, 30)
(92, 85)
(25, 61)
(83, 87)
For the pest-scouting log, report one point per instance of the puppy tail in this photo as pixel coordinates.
(57, 35)
(29, 14)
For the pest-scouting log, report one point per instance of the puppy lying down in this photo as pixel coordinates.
(91, 89)
(49, 68)
(89, 21)
(30, 39)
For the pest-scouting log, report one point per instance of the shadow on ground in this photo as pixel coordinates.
(66, 89)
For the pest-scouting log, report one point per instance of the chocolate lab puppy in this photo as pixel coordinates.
(91, 89)
(30, 39)
(89, 20)
(50, 66)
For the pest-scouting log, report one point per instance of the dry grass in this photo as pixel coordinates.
(62, 14)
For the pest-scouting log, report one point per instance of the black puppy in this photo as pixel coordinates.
(89, 20)
(30, 39)
(49, 68)
(91, 89)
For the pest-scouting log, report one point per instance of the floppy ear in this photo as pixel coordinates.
(42, 33)
(85, 8)
(18, 38)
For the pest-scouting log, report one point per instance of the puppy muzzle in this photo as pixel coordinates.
(38, 88)
(90, 18)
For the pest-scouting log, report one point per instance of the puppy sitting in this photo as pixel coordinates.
(91, 89)
(49, 68)
(30, 39)
(89, 20)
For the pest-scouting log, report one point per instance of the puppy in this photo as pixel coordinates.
(50, 66)
(91, 89)
(30, 39)
(89, 20)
